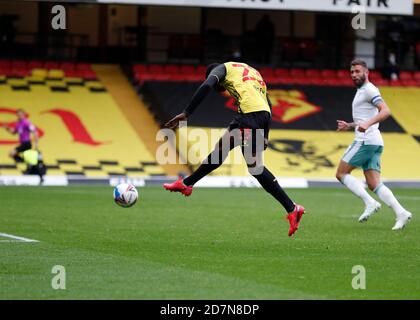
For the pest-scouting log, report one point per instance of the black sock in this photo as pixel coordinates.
(270, 184)
(204, 169)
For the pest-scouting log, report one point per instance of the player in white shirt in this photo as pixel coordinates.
(365, 152)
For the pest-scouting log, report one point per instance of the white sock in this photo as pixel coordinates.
(357, 188)
(386, 195)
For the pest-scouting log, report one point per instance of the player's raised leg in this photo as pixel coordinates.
(211, 163)
(270, 184)
(344, 176)
(373, 180)
(267, 180)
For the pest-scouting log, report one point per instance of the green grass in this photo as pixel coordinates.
(217, 244)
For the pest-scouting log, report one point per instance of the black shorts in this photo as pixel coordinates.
(248, 123)
(23, 146)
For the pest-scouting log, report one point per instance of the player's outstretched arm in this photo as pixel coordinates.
(344, 126)
(201, 93)
(198, 96)
(216, 75)
(174, 122)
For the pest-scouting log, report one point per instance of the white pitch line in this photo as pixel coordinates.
(6, 235)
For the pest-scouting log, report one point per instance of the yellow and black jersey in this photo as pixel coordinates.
(243, 83)
(246, 86)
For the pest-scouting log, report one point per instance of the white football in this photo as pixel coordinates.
(125, 195)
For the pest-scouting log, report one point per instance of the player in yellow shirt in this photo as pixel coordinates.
(249, 129)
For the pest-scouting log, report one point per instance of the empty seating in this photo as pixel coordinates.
(52, 69)
(326, 77)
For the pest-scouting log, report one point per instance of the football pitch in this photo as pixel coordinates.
(216, 244)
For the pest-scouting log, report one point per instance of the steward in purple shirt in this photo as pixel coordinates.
(24, 128)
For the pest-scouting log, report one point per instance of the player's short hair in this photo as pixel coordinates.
(210, 67)
(359, 62)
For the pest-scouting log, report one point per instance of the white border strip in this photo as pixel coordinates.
(30, 180)
(393, 7)
(20, 239)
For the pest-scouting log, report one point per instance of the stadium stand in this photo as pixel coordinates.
(328, 77)
(86, 130)
(306, 104)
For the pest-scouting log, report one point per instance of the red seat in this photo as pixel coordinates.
(396, 83)
(316, 80)
(19, 73)
(71, 74)
(374, 74)
(83, 67)
(51, 65)
(328, 73)
(282, 72)
(416, 75)
(5, 70)
(406, 75)
(271, 80)
(35, 64)
(313, 73)
(297, 72)
(194, 77)
(330, 82)
(67, 66)
(409, 83)
(141, 77)
(201, 70)
(171, 69)
(347, 82)
(156, 69)
(88, 74)
(343, 74)
(18, 64)
(161, 76)
(381, 82)
(177, 77)
(266, 72)
(140, 68)
(187, 69)
(302, 80)
(285, 80)
(5, 64)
